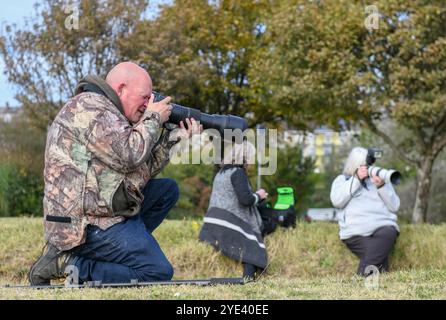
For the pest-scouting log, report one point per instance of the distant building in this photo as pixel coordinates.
(320, 143)
(8, 113)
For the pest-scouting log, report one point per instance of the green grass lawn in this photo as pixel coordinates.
(308, 262)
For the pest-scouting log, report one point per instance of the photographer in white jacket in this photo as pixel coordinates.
(367, 219)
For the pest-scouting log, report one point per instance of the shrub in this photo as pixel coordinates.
(21, 191)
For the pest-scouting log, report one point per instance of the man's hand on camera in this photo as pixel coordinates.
(262, 193)
(377, 181)
(183, 133)
(193, 127)
(362, 172)
(162, 107)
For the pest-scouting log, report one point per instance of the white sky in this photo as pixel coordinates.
(11, 12)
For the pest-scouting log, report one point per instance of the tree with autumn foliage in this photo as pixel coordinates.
(322, 65)
(303, 63)
(200, 51)
(44, 59)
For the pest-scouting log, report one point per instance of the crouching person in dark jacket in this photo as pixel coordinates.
(233, 224)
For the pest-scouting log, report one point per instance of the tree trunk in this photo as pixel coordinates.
(419, 214)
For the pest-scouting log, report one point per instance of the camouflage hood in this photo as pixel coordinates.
(96, 163)
(93, 83)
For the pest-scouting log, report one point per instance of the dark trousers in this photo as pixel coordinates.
(373, 250)
(128, 250)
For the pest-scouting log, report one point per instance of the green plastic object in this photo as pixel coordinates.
(285, 198)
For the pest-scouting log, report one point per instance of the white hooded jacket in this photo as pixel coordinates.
(363, 210)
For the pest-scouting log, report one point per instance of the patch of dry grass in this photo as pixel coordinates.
(308, 262)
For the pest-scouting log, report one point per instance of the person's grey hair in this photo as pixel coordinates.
(240, 154)
(356, 158)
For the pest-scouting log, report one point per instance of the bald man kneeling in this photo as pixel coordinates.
(101, 203)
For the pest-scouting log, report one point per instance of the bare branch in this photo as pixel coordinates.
(439, 145)
(390, 142)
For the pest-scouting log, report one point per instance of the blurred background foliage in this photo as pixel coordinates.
(21, 166)
(291, 64)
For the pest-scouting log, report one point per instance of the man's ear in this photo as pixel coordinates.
(120, 89)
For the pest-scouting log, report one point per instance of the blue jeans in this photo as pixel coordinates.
(128, 250)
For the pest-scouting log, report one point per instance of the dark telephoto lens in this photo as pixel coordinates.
(209, 121)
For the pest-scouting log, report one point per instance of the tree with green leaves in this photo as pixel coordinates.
(21, 166)
(200, 51)
(322, 65)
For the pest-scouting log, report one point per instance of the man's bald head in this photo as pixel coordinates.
(127, 72)
(133, 85)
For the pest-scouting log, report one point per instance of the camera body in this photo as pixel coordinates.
(387, 175)
(372, 155)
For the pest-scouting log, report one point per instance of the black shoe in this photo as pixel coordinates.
(250, 272)
(51, 265)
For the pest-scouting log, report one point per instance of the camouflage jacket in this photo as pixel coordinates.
(96, 164)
